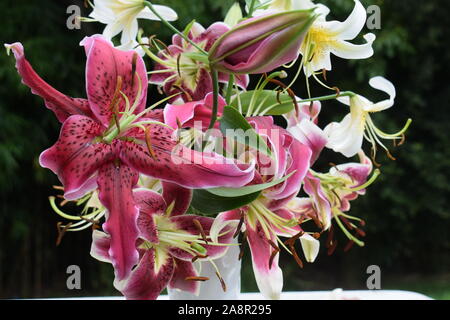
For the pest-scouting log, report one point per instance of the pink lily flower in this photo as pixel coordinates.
(266, 219)
(261, 44)
(178, 72)
(168, 242)
(109, 138)
(330, 195)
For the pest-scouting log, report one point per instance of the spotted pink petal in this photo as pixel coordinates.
(175, 163)
(268, 278)
(185, 223)
(180, 196)
(115, 183)
(147, 281)
(184, 269)
(75, 157)
(104, 64)
(63, 106)
(149, 204)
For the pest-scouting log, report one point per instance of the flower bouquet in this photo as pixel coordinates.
(226, 157)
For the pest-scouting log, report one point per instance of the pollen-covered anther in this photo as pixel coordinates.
(196, 278)
(61, 231)
(133, 67)
(199, 226)
(222, 282)
(188, 96)
(199, 256)
(274, 252)
(332, 247)
(239, 226)
(148, 142)
(338, 91)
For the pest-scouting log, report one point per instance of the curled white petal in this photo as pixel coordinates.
(347, 50)
(310, 247)
(352, 26)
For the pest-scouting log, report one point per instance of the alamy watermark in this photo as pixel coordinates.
(73, 281)
(373, 282)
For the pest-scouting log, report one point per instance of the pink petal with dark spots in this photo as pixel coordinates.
(149, 204)
(75, 157)
(63, 106)
(175, 163)
(104, 64)
(115, 183)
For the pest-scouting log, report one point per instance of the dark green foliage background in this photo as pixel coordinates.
(406, 210)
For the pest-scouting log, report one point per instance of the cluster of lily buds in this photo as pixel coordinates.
(167, 187)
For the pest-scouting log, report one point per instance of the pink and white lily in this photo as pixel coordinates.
(168, 241)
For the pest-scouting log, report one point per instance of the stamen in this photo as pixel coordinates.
(338, 91)
(349, 245)
(222, 282)
(316, 235)
(196, 278)
(332, 247)
(239, 227)
(200, 228)
(148, 142)
(324, 74)
(188, 96)
(199, 256)
(61, 231)
(390, 156)
(291, 241)
(274, 252)
(317, 221)
(360, 232)
(58, 188)
(241, 247)
(178, 65)
(285, 87)
(296, 257)
(133, 68)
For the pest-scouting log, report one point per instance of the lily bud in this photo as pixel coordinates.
(261, 44)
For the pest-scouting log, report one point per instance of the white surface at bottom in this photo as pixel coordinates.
(337, 294)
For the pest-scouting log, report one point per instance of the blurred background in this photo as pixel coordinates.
(406, 210)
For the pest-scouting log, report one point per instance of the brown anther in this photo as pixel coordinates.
(222, 282)
(347, 223)
(317, 221)
(372, 156)
(196, 278)
(200, 229)
(274, 252)
(338, 91)
(390, 156)
(64, 202)
(349, 245)
(296, 257)
(239, 227)
(316, 235)
(188, 96)
(199, 256)
(330, 237)
(116, 95)
(291, 241)
(362, 223)
(179, 125)
(332, 247)
(402, 140)
(241, 247)
(148, 142)
(324, 74)
(58, 188)
(133, 67)
(61, 231)
(360, 232)
(289, 91)
(86, 3)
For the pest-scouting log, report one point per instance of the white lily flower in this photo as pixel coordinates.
(121, 16)
(326, 37)
(347, 136)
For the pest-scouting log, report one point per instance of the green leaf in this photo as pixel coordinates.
(268, 101)
(236, 192)
(233, 122)
(209, 203)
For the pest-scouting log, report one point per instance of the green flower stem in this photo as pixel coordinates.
(229, 89)
(215, 108)
(171, 27)
(329, 97)
(251, 8)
